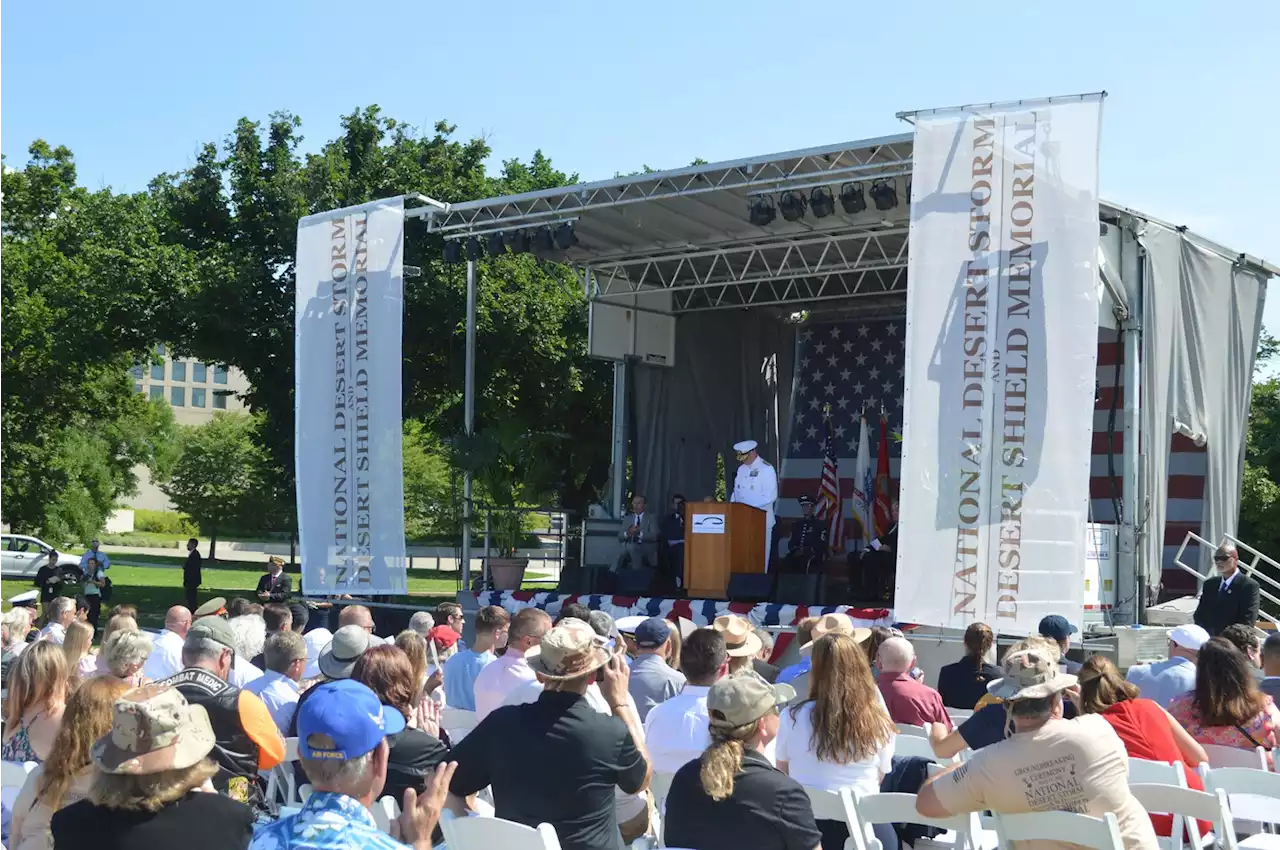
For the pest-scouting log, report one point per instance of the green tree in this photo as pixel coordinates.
(221, 477)
(87, 290)
(1260, 490)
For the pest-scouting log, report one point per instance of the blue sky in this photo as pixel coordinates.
(1189, 135)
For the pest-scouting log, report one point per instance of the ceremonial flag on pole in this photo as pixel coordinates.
(830, 505)
(863, 483)
(884, 497)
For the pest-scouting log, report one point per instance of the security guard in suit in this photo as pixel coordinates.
(808, 544)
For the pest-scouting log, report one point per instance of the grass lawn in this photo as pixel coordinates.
(154, 588)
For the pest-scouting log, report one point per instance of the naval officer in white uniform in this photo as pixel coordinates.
(756, 484)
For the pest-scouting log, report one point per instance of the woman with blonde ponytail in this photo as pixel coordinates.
(732, 797)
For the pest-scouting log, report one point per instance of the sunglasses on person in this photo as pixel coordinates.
(1218, 559)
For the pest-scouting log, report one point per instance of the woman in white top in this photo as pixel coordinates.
(841, 736)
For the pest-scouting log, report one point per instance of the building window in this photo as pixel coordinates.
(198, 375)
(219, 375)
(160, 350)
(179, 370)
(137, 388)
(157, 371)
(136, 371)
(219, 401)
(157, 392)
(197, 397)
(178, 396)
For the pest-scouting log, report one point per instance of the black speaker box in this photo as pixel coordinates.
(800, 589)
(749, 587)
(633, 582)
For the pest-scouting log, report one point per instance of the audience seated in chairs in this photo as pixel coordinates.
(676, 730)
(1270, 683)
(1227, 709)
(908, 700)
(964, 683)
(34, 702)
(461, 670)
(1147, 730)
(841, 735)
(1047, 764)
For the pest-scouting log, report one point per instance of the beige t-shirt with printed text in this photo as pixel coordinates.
(1075, 765)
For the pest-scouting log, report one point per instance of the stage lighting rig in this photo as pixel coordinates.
(520, 242)
(473, 248)
(822, 202)
(852, 198)
(762, 211)
(793, 205)
(565, 238)
(495, 244)
(543, 241)
(453, 251)
(884, 194)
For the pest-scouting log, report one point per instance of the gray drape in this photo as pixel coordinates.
(732, 381)
(1202, 314)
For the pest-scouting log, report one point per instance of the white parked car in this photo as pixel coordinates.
(24, 556)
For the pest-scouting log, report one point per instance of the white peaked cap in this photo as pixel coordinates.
(745, 446)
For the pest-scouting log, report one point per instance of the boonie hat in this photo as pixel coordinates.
(214, 629)
(349, 715)
(738, 700)
(571, 649)
(1057, 627)
(739, 636)
(652, 633)
(1030, 674)
(1190, 637)
(340, 656)
(154, 728)
(835, 624)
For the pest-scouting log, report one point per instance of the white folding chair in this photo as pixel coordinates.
(1156, 772)
(1099, 833)
(866, 810)
(384, 811)
(659, 785)
(1254, 797)
(1220, 756)
(914, 731)
(282, 782)
(912, 745)
(458, 723)
(1188, 806)
(13, 774)
(490, 833)
(959, 715)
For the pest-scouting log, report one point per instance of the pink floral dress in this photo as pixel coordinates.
(1264, 727)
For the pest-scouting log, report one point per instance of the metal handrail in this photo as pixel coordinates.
(1250, 569)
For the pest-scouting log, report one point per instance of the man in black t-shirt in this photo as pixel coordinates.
(760, 806)
(191, 578)
(558, 760)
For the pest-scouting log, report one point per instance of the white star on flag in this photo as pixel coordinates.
(820, 348)
(802, 388)
(799, 417)
(795, 446)
(847, 345)
(817, 376)
(888, 386)
(839, 431)
(831, 361)
(835, 332)
(830, 388)
(875, 345)
(806, 335)
(853, 445)
(871, 402)
(814, 404)
(811, 431)
(861, 359)
(863, 330)
(804, 362)
(857, 388)
(844, 376)
(842, 402)
(890, 358)
(874, 373)
(891, 329)
(899, 401)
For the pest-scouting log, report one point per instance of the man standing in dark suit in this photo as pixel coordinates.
(1229, 597)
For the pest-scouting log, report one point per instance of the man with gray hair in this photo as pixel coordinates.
(246, 739)
(422, 622)
(285, 657)
(1229, 597)
(62, 611)
(908, 701)
(343, 748)
(1048, 764)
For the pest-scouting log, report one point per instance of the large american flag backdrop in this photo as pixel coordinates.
(858, 365)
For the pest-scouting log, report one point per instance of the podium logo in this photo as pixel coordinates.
(708, 524)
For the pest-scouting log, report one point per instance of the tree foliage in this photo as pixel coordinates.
(88, 288)
(1260, 490)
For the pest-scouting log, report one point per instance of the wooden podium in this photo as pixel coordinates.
(720, 538)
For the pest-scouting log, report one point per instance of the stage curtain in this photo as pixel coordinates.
(732, 381)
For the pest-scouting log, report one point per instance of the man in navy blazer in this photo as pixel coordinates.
(1229, 597)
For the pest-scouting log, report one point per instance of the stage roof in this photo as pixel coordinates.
(687, 230)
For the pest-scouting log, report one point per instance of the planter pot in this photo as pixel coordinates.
(507, 573)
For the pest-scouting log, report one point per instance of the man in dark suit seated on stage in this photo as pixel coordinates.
(671, 533)
(871, 570)
(808, 543)
(1229, 597)
(639, 537)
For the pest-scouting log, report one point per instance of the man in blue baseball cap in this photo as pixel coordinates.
(653, 679)
(342, 732)
(1057, 628)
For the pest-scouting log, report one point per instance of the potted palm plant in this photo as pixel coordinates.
(511, 471)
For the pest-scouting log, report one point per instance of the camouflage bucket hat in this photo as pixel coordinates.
(154, 729)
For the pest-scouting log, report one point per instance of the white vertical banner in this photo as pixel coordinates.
(1001, 357)
(347, 405)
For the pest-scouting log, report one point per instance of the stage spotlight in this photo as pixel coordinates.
(565, 237)
(495, 245)
(793, 205)
(762, 211)
(520, 242)
(822, 202)
(453, 251)
(884, 194)
(473, 248)
(543, 240)
(852, 199)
